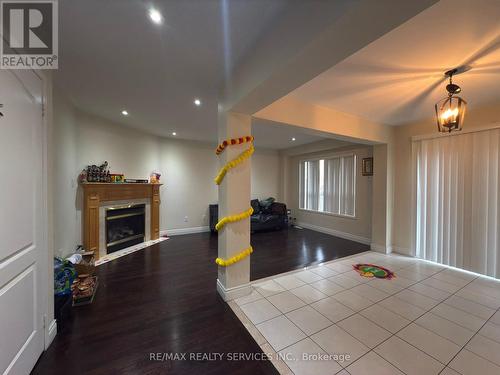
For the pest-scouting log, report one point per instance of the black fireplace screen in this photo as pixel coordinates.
(125, 226)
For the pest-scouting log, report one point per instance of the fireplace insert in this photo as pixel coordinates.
(125, 226)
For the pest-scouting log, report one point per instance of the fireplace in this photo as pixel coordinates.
(98, 197)
(125, 226)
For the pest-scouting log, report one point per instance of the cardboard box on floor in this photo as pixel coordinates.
(87, 265)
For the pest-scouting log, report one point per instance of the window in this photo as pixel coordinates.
(328, 185)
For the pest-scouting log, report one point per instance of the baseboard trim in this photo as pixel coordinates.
(381, 248)
(233, 293)
(337, 233)
(51, 333)
(402, 251)
(180, 231)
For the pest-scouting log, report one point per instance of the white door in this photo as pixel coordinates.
(21, 226)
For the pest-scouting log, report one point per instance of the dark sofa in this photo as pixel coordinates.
(266, 216)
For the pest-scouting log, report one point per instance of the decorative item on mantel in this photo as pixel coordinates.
(94, 173)
(101, 174)
(154, 178)
(136, 181)
(117, 178)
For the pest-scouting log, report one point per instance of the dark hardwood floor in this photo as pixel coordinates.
(278, 252)
(163, 300)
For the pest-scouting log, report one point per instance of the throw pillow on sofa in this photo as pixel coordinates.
(255, 205)
(266, 205)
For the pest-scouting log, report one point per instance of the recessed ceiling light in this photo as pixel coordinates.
(174, 133)
(155, 16)
(293, 139)
(197, 102)
(125, 112)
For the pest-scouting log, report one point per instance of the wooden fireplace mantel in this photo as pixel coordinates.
(96, 192)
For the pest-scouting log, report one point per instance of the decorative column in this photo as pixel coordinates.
(234, 204)
(382, 198)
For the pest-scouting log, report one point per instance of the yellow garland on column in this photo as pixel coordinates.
(224, 263)
(233, 163)
(218, 180)
(233, 218)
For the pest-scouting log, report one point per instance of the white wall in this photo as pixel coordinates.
(187, 169)
(358, 228)
(64, 170)
(266, 180)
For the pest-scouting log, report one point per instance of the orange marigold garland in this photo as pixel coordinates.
(232, 142)
(241, 216)
(233, 163)
(235, 259)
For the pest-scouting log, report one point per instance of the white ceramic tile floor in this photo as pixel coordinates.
(280, 332)
(259, 311)
(289, 281)
(308, 294)
(332, 309)
(268, 288)
(430, 343)
(327, 287)
(308, 276)
(445, 328)
(364, 330)
(372, 363)
(323, 271)
(429, 320)
(308, 320)
(335, 341)
(286, 301)
(385, 318)
(294, 358)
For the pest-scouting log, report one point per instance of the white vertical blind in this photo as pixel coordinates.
(457, 202)
(329, 185)
(348, 186)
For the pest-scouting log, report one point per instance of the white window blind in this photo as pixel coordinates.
(458, 201)
(328, 185)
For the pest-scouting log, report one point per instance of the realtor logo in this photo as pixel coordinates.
(29, 34)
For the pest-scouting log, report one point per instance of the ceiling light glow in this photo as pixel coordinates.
(293, 139)
(125, 112)
(197, 102)
(155, 16)
(450, 111)
(174, 133)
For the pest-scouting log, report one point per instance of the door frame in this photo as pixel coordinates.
(50, 324)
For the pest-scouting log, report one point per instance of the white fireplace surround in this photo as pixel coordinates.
(115, 204)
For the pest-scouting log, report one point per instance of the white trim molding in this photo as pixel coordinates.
(50, 334)
(384, 249)
(336, 233)
(233, 293)
(180, 231)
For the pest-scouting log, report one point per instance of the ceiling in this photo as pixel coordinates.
(398, 78)
(279, 136)
(112, 57)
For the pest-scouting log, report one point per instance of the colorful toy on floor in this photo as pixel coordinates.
(371, 270)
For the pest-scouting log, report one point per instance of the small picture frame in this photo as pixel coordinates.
(367, 167)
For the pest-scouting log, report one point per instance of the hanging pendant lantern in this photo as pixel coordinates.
(450, 111)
